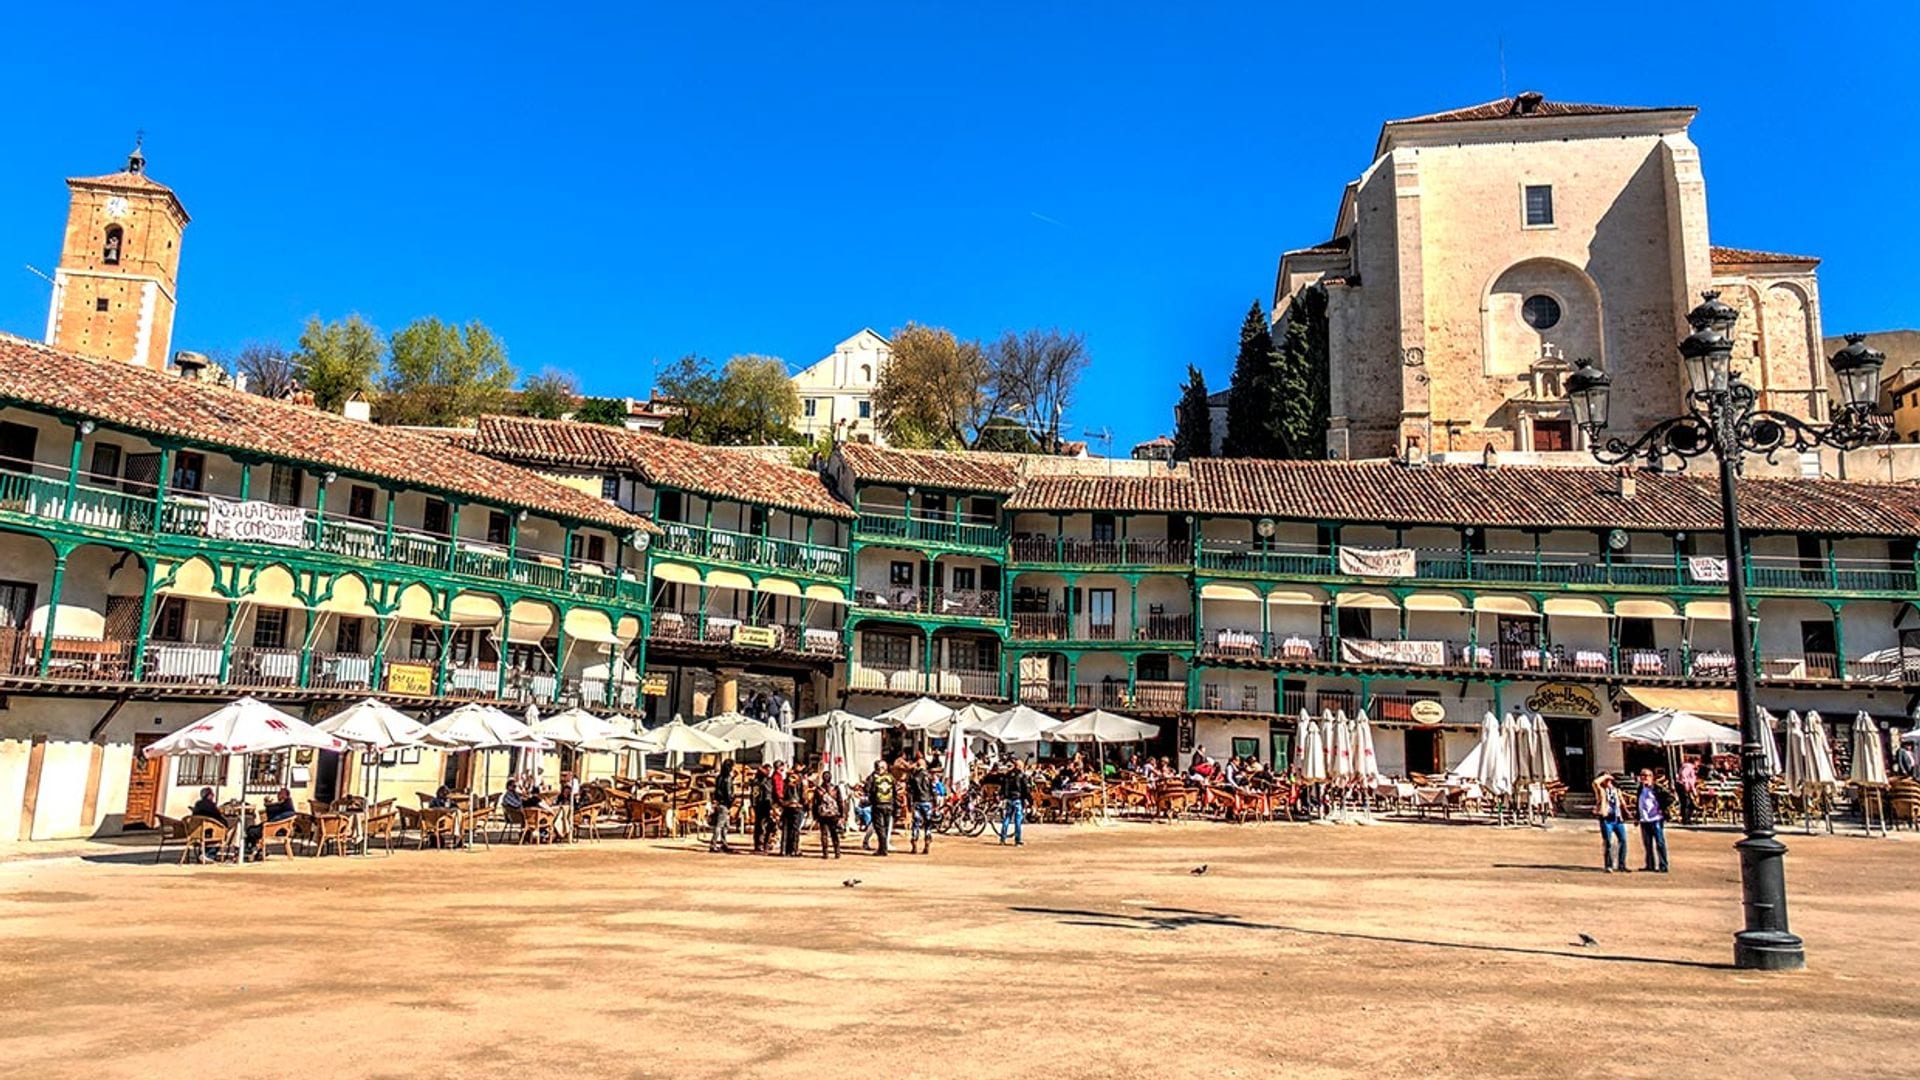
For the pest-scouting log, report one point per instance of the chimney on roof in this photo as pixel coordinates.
(1526, 102)
(190, 365)
(1489, 457)
(1625, 484)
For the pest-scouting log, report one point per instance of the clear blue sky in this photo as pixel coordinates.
(611, 186)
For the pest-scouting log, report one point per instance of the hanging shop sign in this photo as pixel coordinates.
(654, 686)
(1706, 568)
(756, 637)
(1410, 653)
(1377, 562)
(1564, 699)
(257, 522)
(1427, 712)
(410, 679)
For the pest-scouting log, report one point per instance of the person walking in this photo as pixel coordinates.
(1652, 807)
(1610, 806)
(1689, 785)
(920, 802)
(722, 809)
(880, 796)
(762, 808)
(829, 812)
(1016, 788)
(793, 804)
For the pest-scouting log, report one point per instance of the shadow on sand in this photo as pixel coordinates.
(1162, 918)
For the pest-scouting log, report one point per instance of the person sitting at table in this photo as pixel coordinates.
(280, 807)
(206, 807)
(511, 798)
(442, 799)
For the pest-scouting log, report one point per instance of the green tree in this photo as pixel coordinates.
(550, 395)
(932, 392)
(602, 410)
(1038, 372)
(749, 402)
(1007, 436)
(1193, 419)
(1251, 404)
(1300, 377)
(338, 359)
(439, 374)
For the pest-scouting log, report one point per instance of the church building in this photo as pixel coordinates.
(1485, 249)
(114, 291)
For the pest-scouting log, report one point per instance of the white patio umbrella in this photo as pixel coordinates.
(680, 737)
(920, 714)
(1313, 750)
(1545, 767)
(474, 726)
(960, 748)
(573, 727)
(1341, 767)
(1101, 727)
(1020, 724)
(239, 729)
(374, 727)
(1516, 738)
(1797, 756)
(1365, 765)
(1672, 727)
(826, 720)
(1495, 773)
(1869, 767)
(1820, 768)
(1769, 723)
(746, 733)
(837, 749)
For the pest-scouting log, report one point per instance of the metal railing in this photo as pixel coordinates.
(930, 530)
(1082, 551)
(750, 550)
(1059, 626)
(950, 682)
(952, 603)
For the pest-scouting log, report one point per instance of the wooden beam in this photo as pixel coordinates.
(30, 800)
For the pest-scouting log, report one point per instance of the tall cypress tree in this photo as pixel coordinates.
(1300, 377)
(1193, 419)
(1250, 406)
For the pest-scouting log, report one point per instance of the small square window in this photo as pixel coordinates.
(900, 574)
(810, 407)
(610, 487)
(866, 410)
(1539, 200)
(100, 304)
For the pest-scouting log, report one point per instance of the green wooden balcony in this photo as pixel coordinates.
(752, 552)
(918, 530)
(128, 519)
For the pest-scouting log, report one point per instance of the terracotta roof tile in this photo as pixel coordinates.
(1732, 256)
(716, 471)
(157, 404)
(1527, 106)
(1544, 497)
(998, 474)
(1137, 494)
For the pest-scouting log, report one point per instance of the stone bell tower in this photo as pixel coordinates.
(113, 291)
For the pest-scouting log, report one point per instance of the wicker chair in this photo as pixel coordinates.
(170, 831)
(205, 836)
(280, 832)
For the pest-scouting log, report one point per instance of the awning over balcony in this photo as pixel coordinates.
(1435, 602)
(774, 586)
(531, 623)
(1504, 605)
(1296, 597)
(826, 594)
(729, 579)
(1221, 590)
(583, 624)
(1707, 704)
(72, 621)
(1585, 607)
(1710, 609)
(1362, 598)
(1645, 609)
(679, 573)
(473, 609)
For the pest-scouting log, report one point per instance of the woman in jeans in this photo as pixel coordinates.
(722, 808)
(1610, 807)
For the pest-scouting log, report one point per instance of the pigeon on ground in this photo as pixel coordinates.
(851, 882)
(1587, 939)
(1198, 870)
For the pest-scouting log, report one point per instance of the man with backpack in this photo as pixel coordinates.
(762, 797)
(828, 812)
(880, 797)
(920, 803)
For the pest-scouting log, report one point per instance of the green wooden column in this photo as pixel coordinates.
(387, 541)
(453, 538)
(1613, 637)
(47, 630)
(145, 630)
(320, 509)
(444, 635)
(160, 485)
(559, 653)
(246, 480)
(1839, 634)
(80, 432)
(1133, 612)
(232, 631)
(501, 646)
(566, 559)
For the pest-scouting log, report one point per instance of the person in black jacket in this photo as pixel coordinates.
(1016, 789)
(793, 805)
(920, 804)
(880, 796)
(762, 794)
(722, 807)
(205, 806)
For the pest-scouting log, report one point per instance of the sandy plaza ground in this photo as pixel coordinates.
(1304, 950)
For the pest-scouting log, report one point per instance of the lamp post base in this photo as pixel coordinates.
(1768, 950)
(1766, 944)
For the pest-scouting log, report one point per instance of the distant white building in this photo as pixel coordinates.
(836, 393)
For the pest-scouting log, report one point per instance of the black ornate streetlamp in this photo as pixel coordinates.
(1723, 419)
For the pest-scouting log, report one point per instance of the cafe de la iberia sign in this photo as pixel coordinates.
(1564, 699)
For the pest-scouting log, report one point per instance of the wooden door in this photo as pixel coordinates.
(143, 784)
(1553, 434)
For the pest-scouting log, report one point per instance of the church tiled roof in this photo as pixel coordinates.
(1528, 106)
(715, 471)
(1733, 256)
(154, 403)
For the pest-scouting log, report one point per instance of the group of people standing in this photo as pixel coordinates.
(782, 797)
(1651, 805)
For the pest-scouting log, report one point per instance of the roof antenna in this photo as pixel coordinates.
(1502, 45)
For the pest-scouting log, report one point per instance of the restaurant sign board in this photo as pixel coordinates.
(756, 637)
(410, 679)
(1564, 699)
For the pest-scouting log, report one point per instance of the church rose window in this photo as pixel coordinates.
(1541, 312)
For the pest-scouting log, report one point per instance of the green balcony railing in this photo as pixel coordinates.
(751, 551)
(931, 531)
